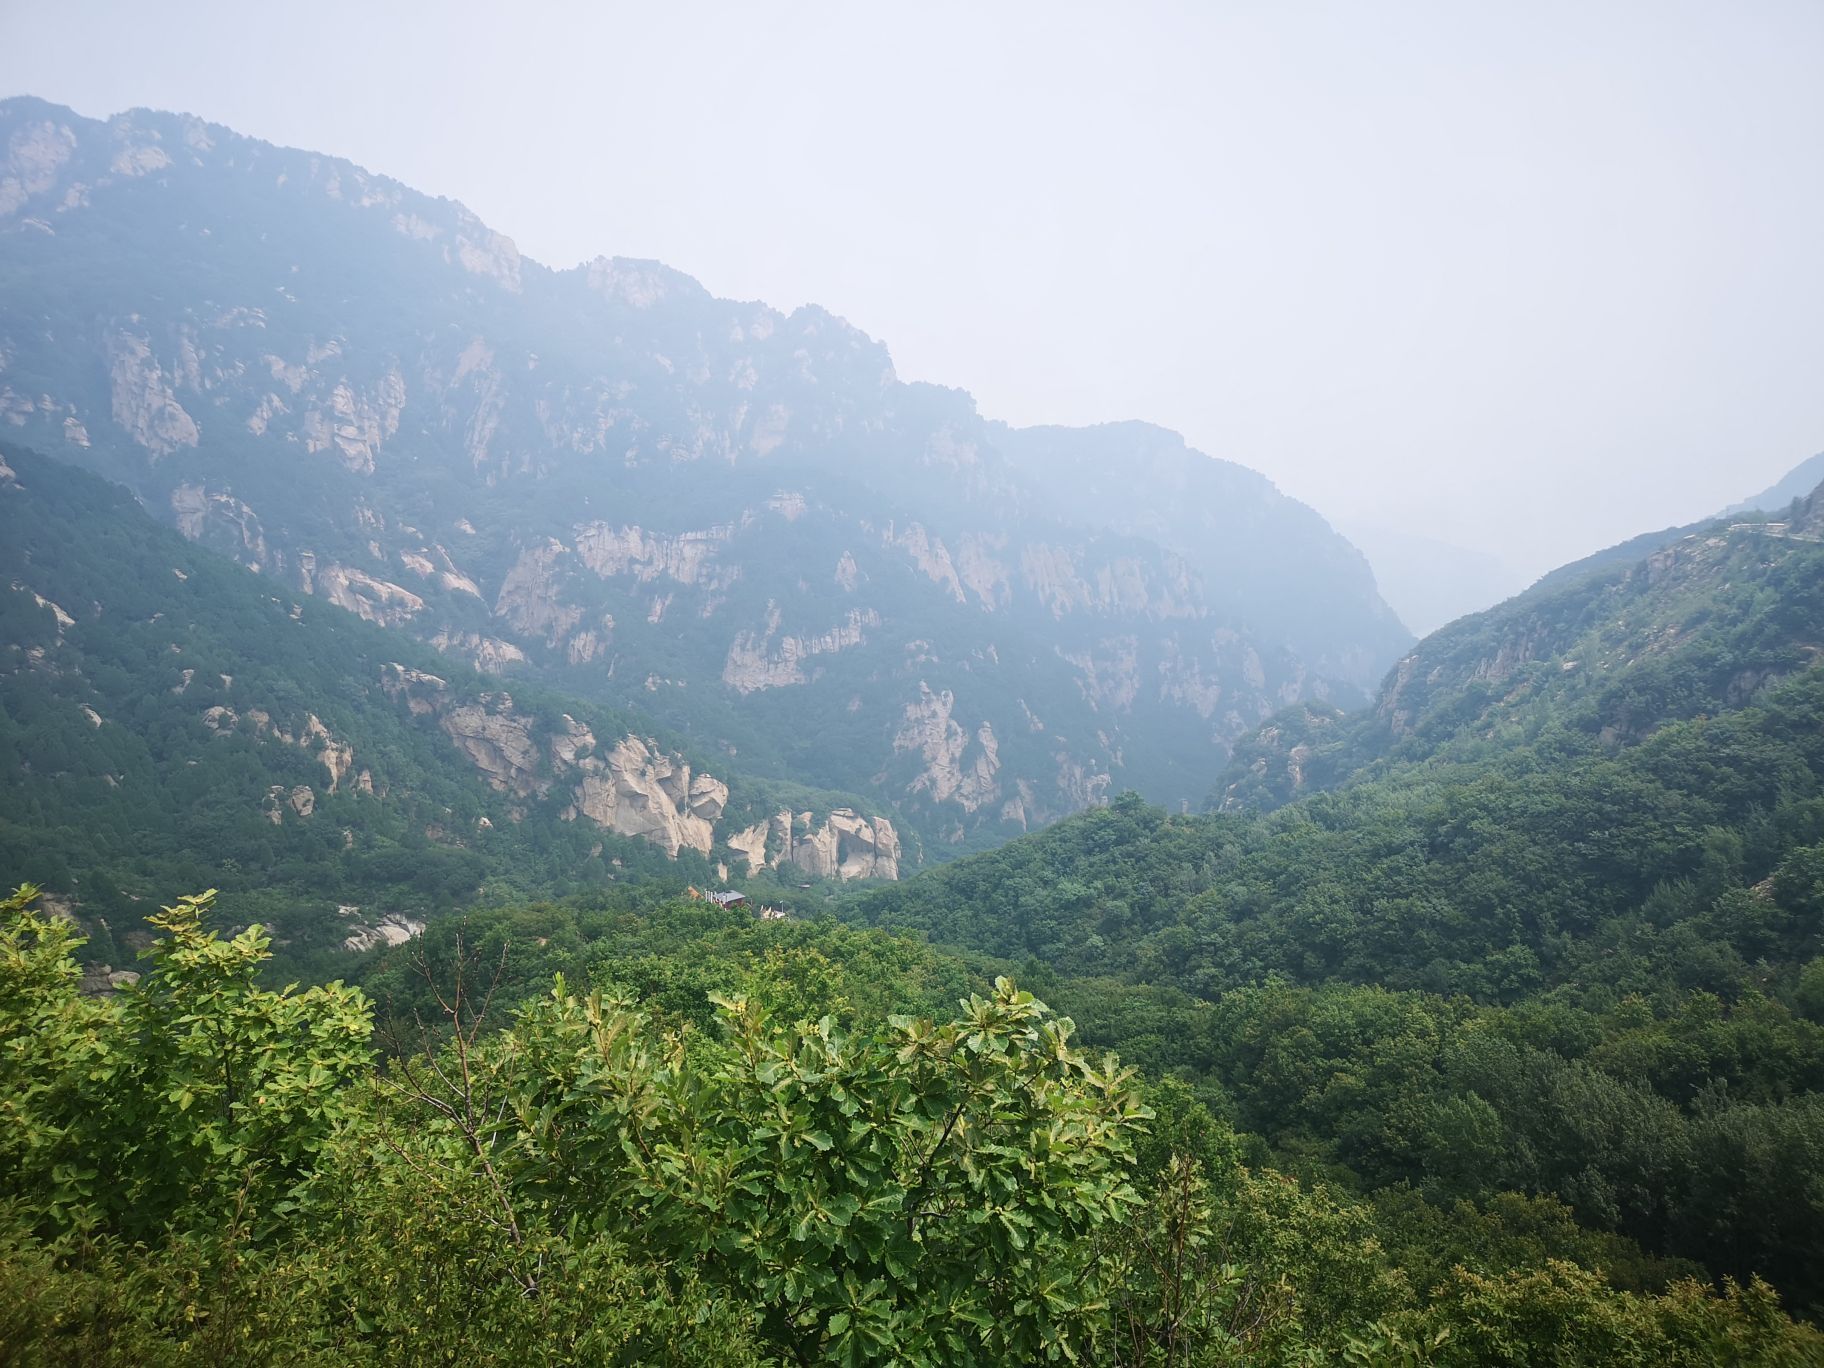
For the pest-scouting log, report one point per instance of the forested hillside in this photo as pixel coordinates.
(168, 720)
(717, 1142)
(1508, 1049)
(1592, 659)
(1571, 946)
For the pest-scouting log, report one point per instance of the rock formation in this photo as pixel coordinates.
(633, 787)
(845, 845)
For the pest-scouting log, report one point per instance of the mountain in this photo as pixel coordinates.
(1596, 656)
(167, 720)
(735, 520)
(1428, 581)
(1795, 484)
(1546, 918)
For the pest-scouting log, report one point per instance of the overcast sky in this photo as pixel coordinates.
(1529, 276)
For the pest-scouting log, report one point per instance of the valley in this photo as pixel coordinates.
(559, 818)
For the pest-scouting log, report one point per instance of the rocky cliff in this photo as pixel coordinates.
(169, 719)
(735, 520)
(633, 787)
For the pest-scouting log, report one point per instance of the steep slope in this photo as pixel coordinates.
(1562, 934)
(738, 519)
(1515, 800)
(168, 721)
(1596, 656)
(1794, 484)
(1228, 523)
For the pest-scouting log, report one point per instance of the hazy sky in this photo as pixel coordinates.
(1526, 276)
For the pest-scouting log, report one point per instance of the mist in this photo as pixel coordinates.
(1523, 280)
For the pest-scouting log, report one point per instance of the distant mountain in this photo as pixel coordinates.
(1599, 654)
(167, 721)
(736, 521)
(1794, 484)
(1428, 581)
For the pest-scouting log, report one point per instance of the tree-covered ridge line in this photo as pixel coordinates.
(169, 719)
(1689, 859)
(1594, 657)
(204, 1169)
(1580, 975)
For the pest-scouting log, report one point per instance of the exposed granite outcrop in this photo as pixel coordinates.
(756, 662)
(951, 773)
(393, 928)
(143, 401)
(845, 845)
(633, 787)
(363, 594)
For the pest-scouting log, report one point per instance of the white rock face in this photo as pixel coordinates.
(139, 159)
(633, 788)
(498, 742)
(354, 425)
(1079, 785)
(531, 599)
(420, 692)
(951, 773)
(488, 654)
(392, 929)
(1183, 681)
(587, 644)
(1120, 585)
(377, 600)
(641, 791)
(34, 156)
(931, 556)
(1110, 674)
(634, 284)
(338, 756)
(483, 252)
(196, 510)
(434, 563)
(688, 558)
(756, 662)
(750, 844)
(637, 789)
(63, 620)
(143, 401)
(982, 572)
(845, 845)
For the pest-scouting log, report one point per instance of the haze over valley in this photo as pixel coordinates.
(555, 812)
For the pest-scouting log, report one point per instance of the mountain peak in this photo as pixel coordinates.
(738, 522)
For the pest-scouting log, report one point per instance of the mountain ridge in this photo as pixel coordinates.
(738, 520)
(1665, 626)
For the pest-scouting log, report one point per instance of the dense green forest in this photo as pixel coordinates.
(1525, 949)
(1500, 1040)
(1596, 656)
(698, 1139)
